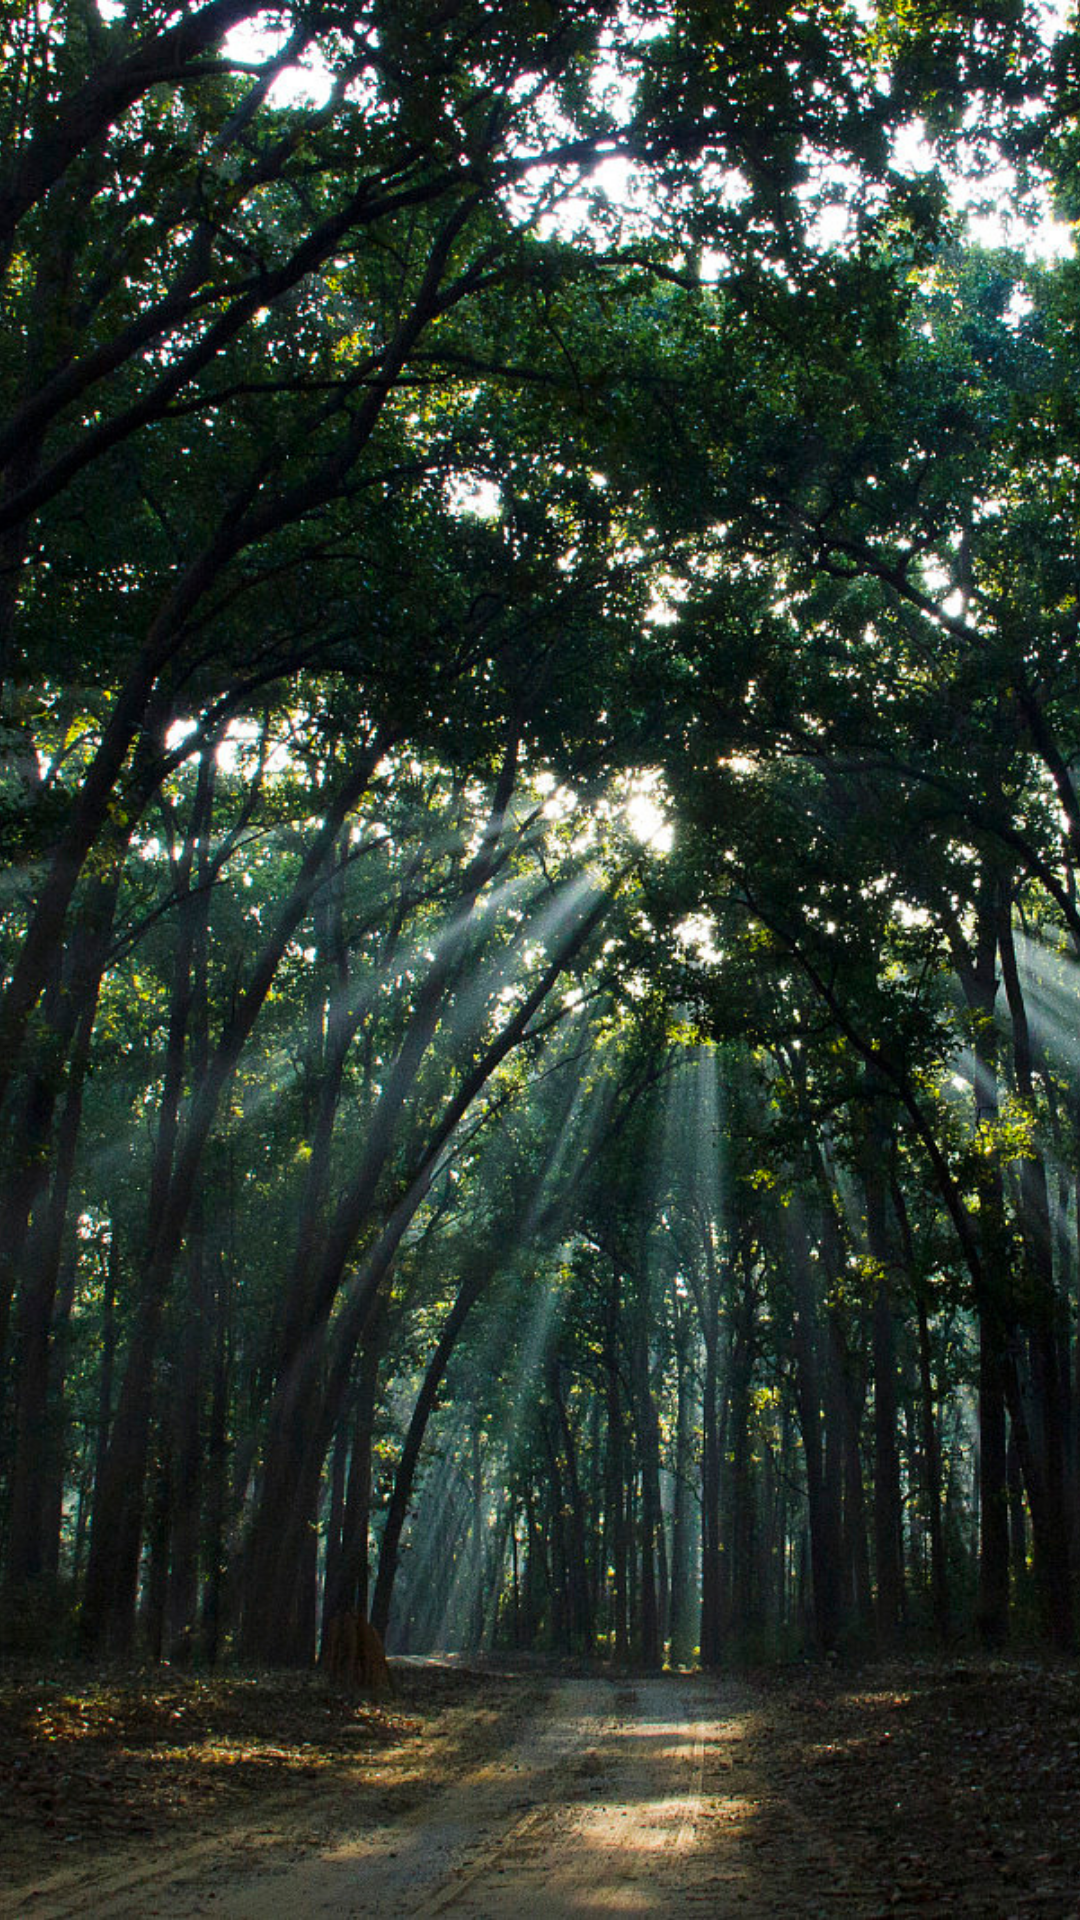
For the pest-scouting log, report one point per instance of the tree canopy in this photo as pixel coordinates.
(538, 626)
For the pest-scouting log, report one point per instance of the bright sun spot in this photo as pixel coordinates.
(646, 818)
(470, 495)
(305, 82)
(697, 933)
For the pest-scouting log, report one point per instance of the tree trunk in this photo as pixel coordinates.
(887, 1526)
(390, 1546)
(38, 1409)
(822, 1493)
(649, 1446)
(711, 1598)
(579, 1612)
(978, 977)
(217, 1470)
(116, 1535)
(182, 1602)
(682, 1622)
(1049, 1328)
(932, 1492)
(743, 1596)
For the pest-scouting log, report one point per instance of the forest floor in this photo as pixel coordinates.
(485, 1790)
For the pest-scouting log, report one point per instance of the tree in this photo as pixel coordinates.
(390, 520)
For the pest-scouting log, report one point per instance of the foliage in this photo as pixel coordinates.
(448, 458)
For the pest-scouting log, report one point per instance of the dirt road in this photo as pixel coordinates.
(593, 1809)
(928, 1791)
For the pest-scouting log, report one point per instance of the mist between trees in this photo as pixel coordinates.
(538, 597)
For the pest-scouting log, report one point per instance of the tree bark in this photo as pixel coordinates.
(887, 1524)
(822, 1493)
(682, 1620)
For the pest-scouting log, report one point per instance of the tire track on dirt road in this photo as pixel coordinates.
(613, 1832)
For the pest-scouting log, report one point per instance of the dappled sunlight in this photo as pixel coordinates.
(620, 1900)
(608, 1803)
(595, 1806)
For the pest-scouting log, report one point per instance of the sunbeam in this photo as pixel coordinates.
(471, 1587)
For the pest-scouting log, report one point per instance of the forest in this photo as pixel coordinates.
(539, 921)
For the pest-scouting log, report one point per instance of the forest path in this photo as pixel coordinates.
(928, 1789)
(593, 1808)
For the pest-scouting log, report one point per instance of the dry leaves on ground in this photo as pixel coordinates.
(925, 1788)
(92, 1764)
